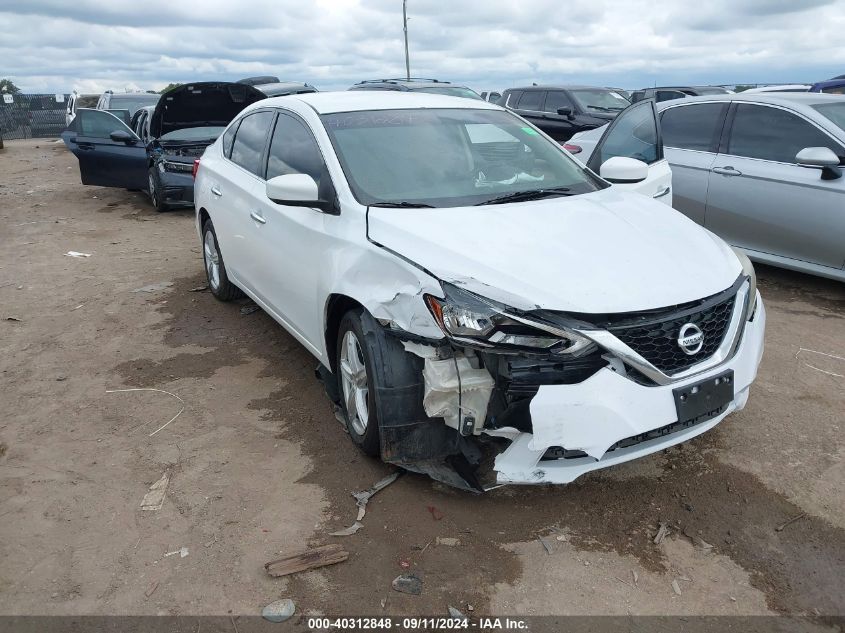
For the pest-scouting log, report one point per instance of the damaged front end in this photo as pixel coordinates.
(512, 396)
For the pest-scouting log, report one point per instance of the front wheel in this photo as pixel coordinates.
(156, 194)
(215, 269)
(355, 384)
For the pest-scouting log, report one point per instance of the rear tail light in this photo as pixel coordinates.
(572, 149)
(196, 168)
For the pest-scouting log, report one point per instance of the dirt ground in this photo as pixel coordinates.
(259, 465)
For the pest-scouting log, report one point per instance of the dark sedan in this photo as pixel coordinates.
(561, 111)
(158, 153)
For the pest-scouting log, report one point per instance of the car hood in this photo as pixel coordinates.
(211, 103)
(603, 252)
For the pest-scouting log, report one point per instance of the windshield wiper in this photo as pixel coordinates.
(521, 196)
(404, 204)
(604, 109)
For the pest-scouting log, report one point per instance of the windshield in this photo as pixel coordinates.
(452, 91)
(833, 111)
(132, 103)
(193, 134)
(600, 100)
(449, 157)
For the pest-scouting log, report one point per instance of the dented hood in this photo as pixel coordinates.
(204, 104)
(607, 251)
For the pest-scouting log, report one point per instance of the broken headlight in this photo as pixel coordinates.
(467, 318)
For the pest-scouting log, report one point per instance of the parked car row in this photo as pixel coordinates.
(473, 292)
(376, 227)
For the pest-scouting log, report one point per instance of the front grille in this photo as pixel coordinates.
(657, 341)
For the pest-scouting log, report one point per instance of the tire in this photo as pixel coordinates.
(357, 392)
(154, 187)
(215, 269)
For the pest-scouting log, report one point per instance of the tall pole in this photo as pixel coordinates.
(405, 22)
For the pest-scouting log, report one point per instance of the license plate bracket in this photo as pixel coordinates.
(705, 399)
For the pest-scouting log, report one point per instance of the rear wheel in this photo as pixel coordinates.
(215, 269)
(156, 194)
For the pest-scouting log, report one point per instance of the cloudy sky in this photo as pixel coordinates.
(92, 45)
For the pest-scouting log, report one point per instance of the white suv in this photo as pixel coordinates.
(470, 291)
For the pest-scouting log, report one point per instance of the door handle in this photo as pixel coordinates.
(255, 215)
(216, 192)
(662, 192)
(727, 171)
(85, 145)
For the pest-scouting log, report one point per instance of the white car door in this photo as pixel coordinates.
(238, 191)
(635, 133)
(292, 240)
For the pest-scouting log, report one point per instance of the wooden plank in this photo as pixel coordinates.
(309, 559)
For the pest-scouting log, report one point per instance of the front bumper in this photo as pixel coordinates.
(594, 415)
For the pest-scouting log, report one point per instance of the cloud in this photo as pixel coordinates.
(54, 45)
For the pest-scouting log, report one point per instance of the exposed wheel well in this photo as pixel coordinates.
(203, 217)
(336, 307)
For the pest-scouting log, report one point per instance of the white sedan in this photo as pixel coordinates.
(469, 290)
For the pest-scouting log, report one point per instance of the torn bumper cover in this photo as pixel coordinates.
(474, 418)
(609, 419)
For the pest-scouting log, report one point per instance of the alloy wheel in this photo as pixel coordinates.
(212, 260)
(356, 391)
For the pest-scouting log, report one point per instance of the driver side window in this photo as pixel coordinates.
(633, 135)
(97, 123)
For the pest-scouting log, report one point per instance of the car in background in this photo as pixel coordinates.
(561, 111)
(492, 96)
(46, 115)
(76, 101)
(415, 84)
(471, 291)
(157, 154)
(124, 104)
(282, 88)
(831, 86)
(667, 93)
(257, 81)
(779, 88)
(763, 171)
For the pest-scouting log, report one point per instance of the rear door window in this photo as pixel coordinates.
(774, 134)
(250, 140)
(531, 100)
(696, 126)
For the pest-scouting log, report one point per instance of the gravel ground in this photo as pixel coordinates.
(258, 464)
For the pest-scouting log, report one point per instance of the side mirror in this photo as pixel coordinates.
(297, 190)
(820, 158)
(621, 170)
(122, 136)
(567, 112)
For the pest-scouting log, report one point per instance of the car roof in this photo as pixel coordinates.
(134, 95)
(357, 100)
(830, 83)
(559, 87)
(281, 85)
(790, 99)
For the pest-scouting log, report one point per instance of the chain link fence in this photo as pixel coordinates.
(32, 115)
